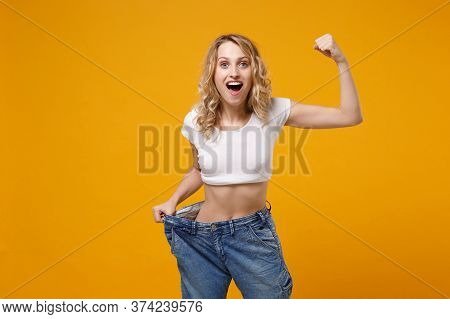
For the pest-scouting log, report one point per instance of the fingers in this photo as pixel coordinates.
(157, 215)
(324, 42)
(324, 45)
(324, 38)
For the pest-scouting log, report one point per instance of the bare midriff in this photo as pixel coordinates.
(226, 202)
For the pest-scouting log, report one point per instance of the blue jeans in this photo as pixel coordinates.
(245, 249)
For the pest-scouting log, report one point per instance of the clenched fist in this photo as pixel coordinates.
(167, 208)
(327, 46)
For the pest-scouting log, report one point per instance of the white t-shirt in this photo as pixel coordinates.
(242, 155)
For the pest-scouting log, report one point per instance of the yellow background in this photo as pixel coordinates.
(371, 219)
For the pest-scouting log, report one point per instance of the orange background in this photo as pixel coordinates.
(371, 219)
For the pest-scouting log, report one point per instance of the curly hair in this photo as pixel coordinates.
(258, 99)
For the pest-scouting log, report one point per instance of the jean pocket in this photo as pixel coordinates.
(263, 234)
(286, 282)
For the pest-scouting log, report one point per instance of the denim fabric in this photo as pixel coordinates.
(245, 249)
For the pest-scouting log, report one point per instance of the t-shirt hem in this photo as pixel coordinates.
(232, 181)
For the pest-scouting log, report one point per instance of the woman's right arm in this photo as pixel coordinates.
(191, 182)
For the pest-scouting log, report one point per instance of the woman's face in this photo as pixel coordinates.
(233, 67)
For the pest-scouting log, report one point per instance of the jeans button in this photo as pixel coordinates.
(213, 226)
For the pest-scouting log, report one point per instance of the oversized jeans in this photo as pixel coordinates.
(245, 249)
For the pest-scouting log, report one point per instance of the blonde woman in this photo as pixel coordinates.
(232, 131)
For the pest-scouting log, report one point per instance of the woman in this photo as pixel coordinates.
(232, 131)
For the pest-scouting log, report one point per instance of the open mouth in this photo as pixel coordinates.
(235, 86)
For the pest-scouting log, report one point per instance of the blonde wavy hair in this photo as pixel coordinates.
(258, 99)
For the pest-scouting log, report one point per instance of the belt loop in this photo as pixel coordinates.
(231, 227)
(263, 218)
(194, 227)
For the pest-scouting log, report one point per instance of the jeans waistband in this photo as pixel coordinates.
(181, 219)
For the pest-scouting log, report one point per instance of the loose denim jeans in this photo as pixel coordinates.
(245, 249)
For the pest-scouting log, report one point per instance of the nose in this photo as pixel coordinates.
(234, 71)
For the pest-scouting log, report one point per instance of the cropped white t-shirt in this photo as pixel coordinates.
(242, 155)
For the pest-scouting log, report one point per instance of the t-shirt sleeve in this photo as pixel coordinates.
(280, 110)
(187, 130)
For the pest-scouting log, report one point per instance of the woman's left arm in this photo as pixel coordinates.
(317, 116)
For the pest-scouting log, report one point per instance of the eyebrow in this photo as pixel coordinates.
(242, 57)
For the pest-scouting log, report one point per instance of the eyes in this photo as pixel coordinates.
(222, 64)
